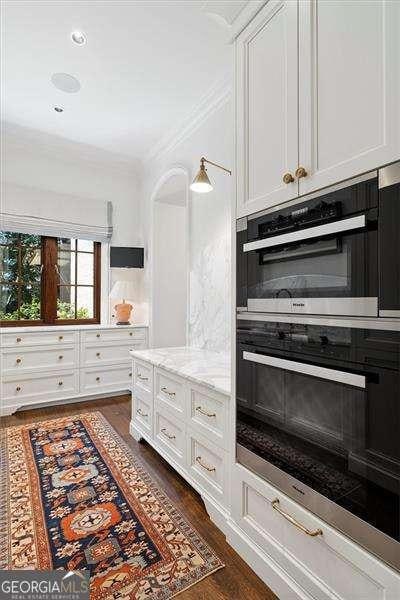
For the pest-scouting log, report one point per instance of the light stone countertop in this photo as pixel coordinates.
(41, 328)
(204, 367)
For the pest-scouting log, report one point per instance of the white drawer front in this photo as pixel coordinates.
(142, 413)
(40, 387)
(28, 360)
(105, 354)
(170, 391)
(207, 464)
(169, 433)
(142, 376)
(208, 414)
(115, 378)
(44, 338)
(114, 335)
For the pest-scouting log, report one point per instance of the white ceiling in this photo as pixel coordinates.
(146, 64)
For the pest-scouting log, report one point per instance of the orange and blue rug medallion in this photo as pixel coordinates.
(76, 498)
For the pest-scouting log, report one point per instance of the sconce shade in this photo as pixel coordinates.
(201, 184)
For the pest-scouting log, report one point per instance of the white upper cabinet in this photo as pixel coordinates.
(349, 62)
(267, 105)
(317, 93)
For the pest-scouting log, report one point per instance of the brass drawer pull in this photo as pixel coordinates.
(60, 383)
(97, 354)
(18, 389)
(206, 467)
(166, 391)
(168, 435)
(204, 412)
(60, 337)
(19, 360)
(97, 378)
(292, 520)
(130, 375)
(97, 335)
(130, 333)
(301, 172)
(142, 414)
(19, 339)
(288, 178)
(141, 377)
(60, 357)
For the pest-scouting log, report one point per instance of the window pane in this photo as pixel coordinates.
(66, 302)
(66, 267)
(85, 303)
(85, 246)
(8, 263)
(6, 237)
(85, 269)
(9, 302)
(30, 264)
(30, 302)
(30, 240)
(66, 244)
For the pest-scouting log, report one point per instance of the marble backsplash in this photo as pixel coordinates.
(210, 293)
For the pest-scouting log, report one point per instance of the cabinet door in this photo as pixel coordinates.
(348, 88)
(267, 105)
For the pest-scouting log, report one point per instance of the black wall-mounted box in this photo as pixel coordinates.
(126, 258)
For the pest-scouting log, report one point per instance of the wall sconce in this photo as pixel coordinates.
(201, 183)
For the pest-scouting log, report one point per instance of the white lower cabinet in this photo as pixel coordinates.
(42, 366)
(187, 424)
(322, 566)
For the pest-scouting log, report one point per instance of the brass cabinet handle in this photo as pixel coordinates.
(60, 337)
(141, 377)
(301, 172)
(97, 354)
(204, 412)
(292, 520)
(60, 383)
(166, 391)
(206, 467)
(130, 375)
(97, 335)
(142, 414)
(288, 178)
(18, 389)
(168, 435)
(19, 339)
(97, 378)
(19, 360)
(130, 333)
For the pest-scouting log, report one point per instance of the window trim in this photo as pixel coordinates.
(49, 285)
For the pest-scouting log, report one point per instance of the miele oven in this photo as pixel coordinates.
(317, 257)
(318, 415)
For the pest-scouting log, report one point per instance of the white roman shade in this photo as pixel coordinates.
(42, 212)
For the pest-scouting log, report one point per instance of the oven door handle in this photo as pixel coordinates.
(307, 369)
(357, 222)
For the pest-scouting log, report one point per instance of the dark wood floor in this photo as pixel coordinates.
(237, 580)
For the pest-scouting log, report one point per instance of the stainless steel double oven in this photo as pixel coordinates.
(318, 357)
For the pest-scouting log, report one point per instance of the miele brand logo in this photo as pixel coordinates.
(298, 304)
(298, 490)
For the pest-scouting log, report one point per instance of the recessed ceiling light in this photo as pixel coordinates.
(58, 109)
(78, 37)
(66, 83)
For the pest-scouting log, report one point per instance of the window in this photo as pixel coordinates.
(49, 281)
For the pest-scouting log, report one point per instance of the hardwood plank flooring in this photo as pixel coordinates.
(236, 581)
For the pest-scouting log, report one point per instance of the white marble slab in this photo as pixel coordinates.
(201, 366)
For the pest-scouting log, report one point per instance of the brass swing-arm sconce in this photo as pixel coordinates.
(201, 182)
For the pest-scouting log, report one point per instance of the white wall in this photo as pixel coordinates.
(210, 222)
(38, 168)
(169, 302)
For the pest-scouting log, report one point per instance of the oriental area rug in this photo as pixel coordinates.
(74, 497)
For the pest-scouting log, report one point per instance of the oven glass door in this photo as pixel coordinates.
(334, 429)
(339, 268)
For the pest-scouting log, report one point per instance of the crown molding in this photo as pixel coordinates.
(52, 146)
(208, 104)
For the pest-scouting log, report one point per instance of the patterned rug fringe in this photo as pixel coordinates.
(3, 500)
